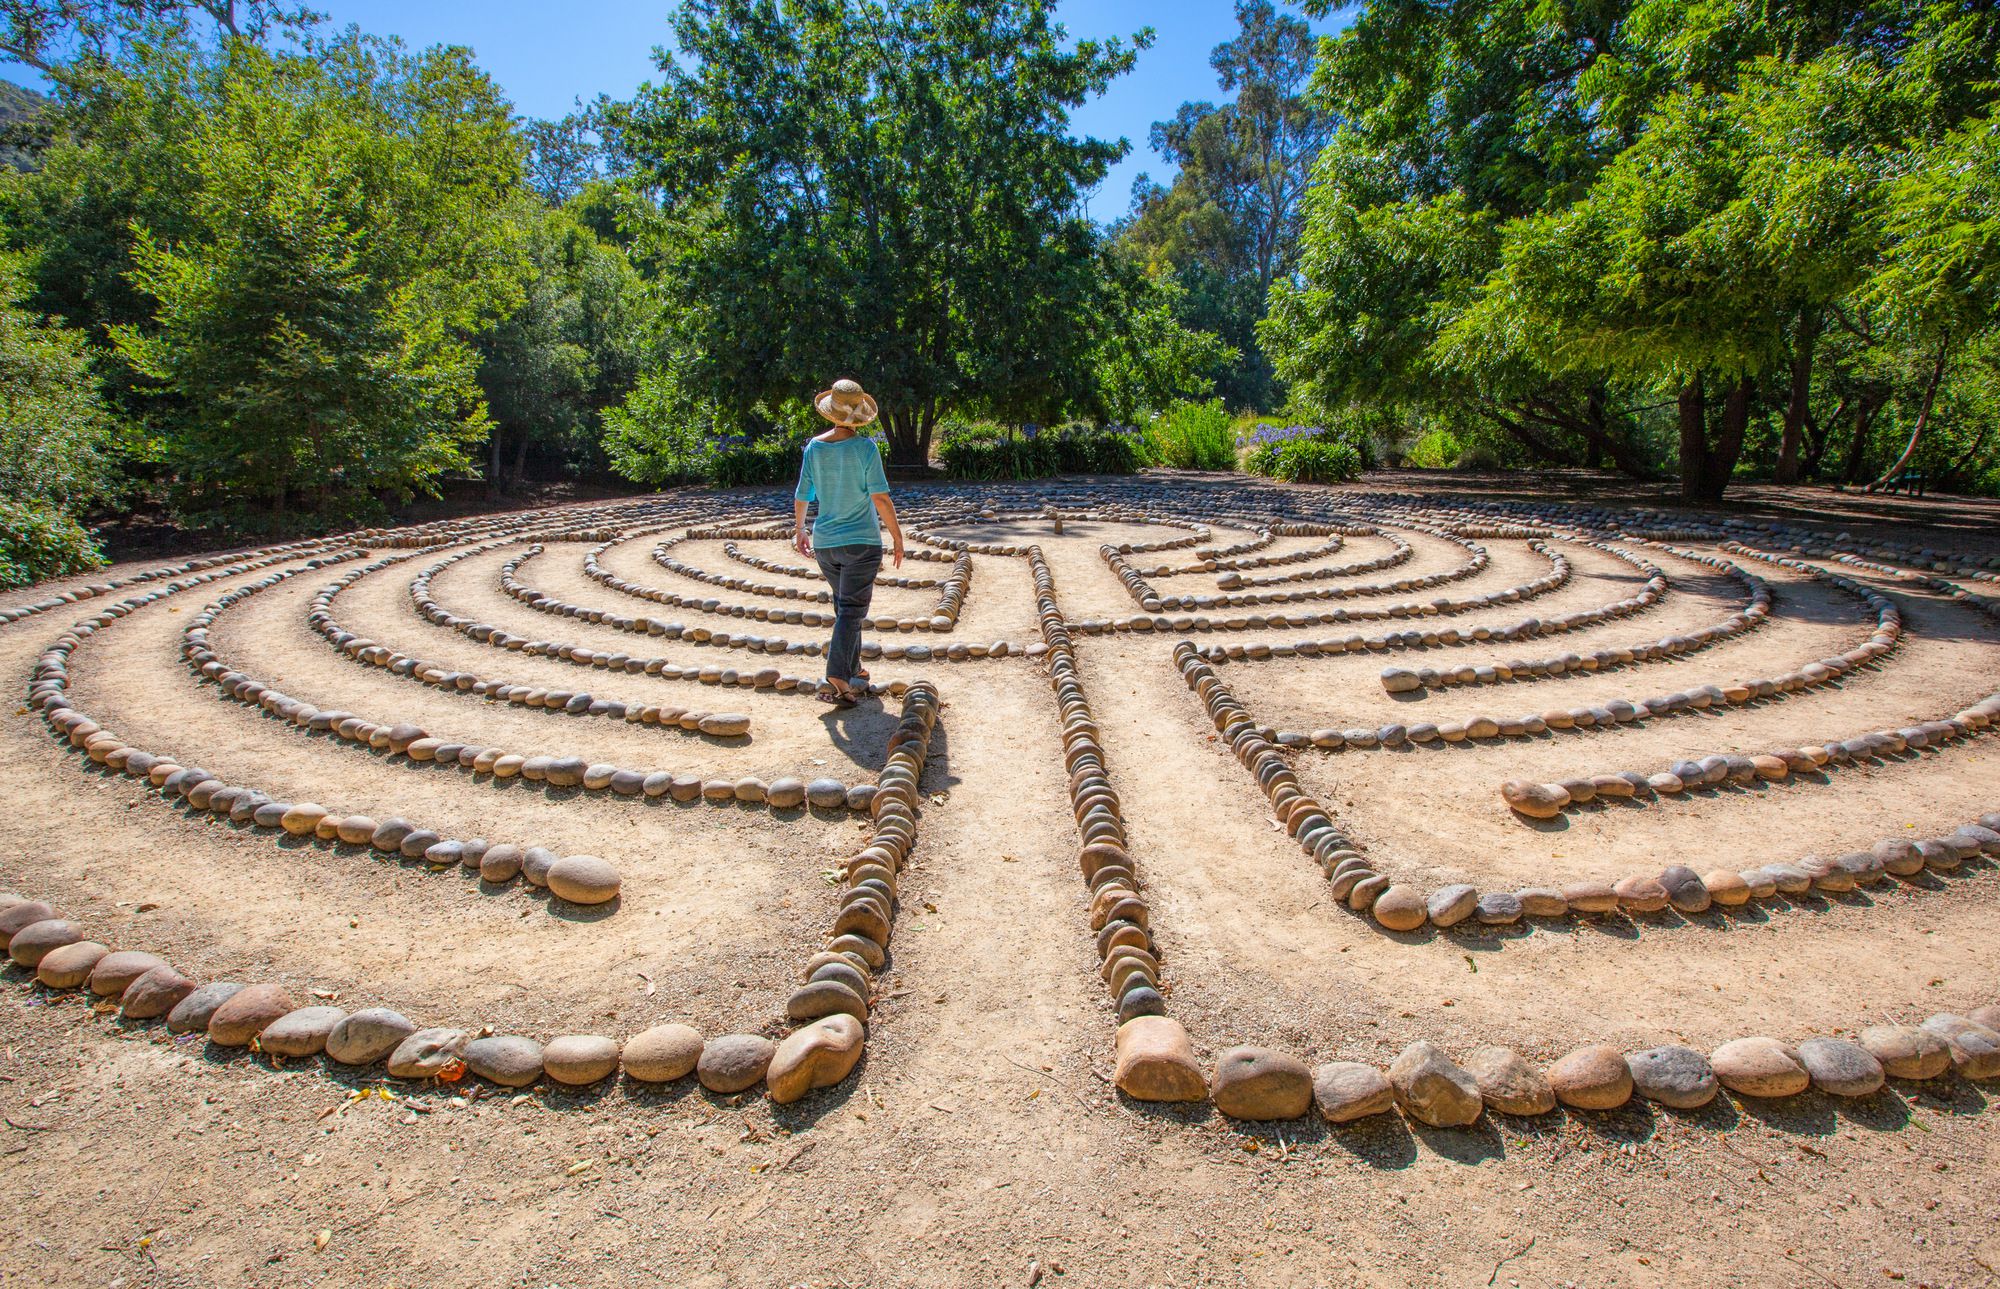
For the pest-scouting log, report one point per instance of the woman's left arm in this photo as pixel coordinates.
(887, 510)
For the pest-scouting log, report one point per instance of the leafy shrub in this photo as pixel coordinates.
(1317, 461)
(1302, 454)
(38, 541)
(990, 452)
(1438, 449)
(1193, 436)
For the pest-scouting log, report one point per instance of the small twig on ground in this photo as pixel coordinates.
(1050, 1077)
(30, 1127)
(1808, 1266)
(1510, 1257)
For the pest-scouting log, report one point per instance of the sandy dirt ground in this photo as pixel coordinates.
(981, 1141)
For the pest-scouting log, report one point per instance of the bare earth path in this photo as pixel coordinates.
(981, 1140)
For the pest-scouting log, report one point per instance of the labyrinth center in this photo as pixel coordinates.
(1428, 805)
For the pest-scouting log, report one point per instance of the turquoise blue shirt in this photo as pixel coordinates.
(842, 477)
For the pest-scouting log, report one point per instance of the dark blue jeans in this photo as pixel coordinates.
(850, 571)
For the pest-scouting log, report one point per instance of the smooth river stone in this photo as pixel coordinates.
(115, 972)
(724, 724)
(1591, 897)
(510, 1060)
(817, 1056)
(825, 998)
(247, 1012)
(1535, 800)
(1507, 1083)
(1592, 1078)
(1432, 1090)
(1641, 893)
(192, 1012)
(662, 1054)
(21, 915)
(69, 965)
(580, 1059)
(1840, 1068)
(300, 1032)
(35, 941)
(734, 1062)
(1759, 1067)
(1348, 1090)
(1155, 1061)
(1451, 905)
(1685, 890)
(1542, 902)
(1907, 1052)
(583, 879)
(1499, 908)
(1727, 887)
(1400, 908)
(368, 1035)
(1975, 1049)
(162, 989)
(1257, 1083)
(1677, 1077)
(427, 1053)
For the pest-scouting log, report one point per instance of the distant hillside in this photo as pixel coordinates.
(23, 133)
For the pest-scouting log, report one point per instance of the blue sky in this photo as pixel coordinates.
(545, 59)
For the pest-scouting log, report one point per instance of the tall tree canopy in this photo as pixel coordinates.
(887, 188)
(1229, 225)
(1559, 221)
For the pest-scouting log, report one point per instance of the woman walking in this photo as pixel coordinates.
(843, 473)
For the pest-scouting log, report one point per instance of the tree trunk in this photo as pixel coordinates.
(1728, 446)
(520, 461)
(1923, 417)
(1797, 407)
(1692, 406)
(909, 439)
(493, 480)
(1857, 443)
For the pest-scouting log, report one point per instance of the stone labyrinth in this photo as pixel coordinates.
(1378, 803)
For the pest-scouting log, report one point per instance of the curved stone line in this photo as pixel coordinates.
(1217, 562)
(1679, 644)
(820, 1052)
(417, 746)
(1146, 597)
(737, 553)
(1355, 880)
(699, 635)
(943, 616)
(49, 692)
(1886, 637)
(1443, 606)
(1452, 637)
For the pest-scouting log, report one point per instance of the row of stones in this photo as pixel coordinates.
(701, 635)
(1354, 880)
(820, 1053)
(1128, 959)
(265, 1018)
(839, 977)
(419, 746)
(1546, 800)
(48, 692)
(943, 616)
(1445, 637)
(1109, 514)
(1443, 606)
(741, 556)
(1156, 1062)
(1615, 711)
(438, 676)
(1215, 562)
(767, 678)
(1755, 612)
(1148, 598)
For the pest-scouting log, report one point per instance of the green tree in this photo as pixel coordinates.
(1228, 227)
(346, 232)
(882, 188)
(52, 36)
(56, 444)
(571, 350)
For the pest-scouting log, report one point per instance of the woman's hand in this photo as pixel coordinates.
(802, 540)
(897, 537)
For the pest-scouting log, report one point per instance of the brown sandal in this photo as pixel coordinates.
(832, 694)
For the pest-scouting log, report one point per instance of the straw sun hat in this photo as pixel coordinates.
(845, 404)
